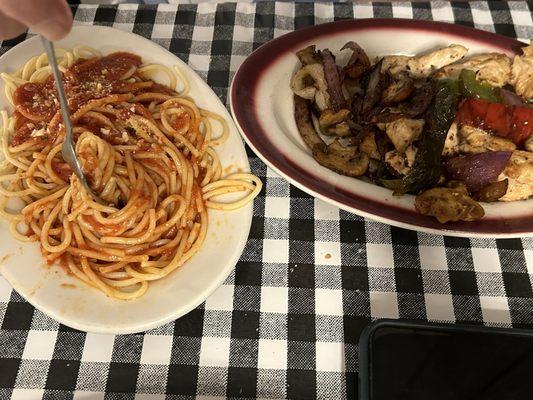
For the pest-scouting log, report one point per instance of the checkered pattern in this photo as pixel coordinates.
(170, 1)
(285, 324)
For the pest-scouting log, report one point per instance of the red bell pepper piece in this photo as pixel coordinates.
(512, 122)
(523, 122)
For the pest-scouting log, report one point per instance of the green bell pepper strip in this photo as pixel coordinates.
(427, 165)
(471, 87)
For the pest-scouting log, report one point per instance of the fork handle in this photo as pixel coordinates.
(50, 52)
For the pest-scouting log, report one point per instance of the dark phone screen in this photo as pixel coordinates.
(433, 365)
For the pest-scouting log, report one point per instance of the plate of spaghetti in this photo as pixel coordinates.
(161, 151)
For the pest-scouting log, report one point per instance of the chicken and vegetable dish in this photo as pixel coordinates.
(452, 129)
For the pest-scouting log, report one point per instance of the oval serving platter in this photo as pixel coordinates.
(262, 105)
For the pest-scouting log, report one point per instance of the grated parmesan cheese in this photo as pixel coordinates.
(38, 132)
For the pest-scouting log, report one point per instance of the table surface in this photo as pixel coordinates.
(285, 324)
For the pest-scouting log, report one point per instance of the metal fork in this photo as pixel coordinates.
(67, 149)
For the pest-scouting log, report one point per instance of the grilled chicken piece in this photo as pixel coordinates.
(522, 73)
(396, 66)
(401, 163)
(519, 171)
(402, 132)
(475, 140)
(424, 65)
(451, 145)
(494, 68)
(528, 144)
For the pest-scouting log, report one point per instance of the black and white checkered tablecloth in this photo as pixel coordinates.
(285, 324)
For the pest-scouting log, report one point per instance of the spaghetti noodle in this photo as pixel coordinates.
(147, 149)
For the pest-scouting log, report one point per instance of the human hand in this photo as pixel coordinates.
(50, 18)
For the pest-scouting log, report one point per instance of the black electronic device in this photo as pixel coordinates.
(424, 361)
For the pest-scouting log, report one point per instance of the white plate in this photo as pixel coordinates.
(262, 105)
(85, 308)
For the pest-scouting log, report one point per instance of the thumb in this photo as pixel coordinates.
(50, 18)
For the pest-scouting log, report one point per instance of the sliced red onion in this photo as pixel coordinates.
(342, 73)
(477, 170)
(332, 78)
(420, 102)
(373, 89)
(511, 99)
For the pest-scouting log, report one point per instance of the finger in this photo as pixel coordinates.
(51, 18)
(10, 28)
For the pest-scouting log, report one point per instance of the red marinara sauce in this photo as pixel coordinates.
(85, 80)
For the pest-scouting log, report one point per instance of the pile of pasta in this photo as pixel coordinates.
(148, 151)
